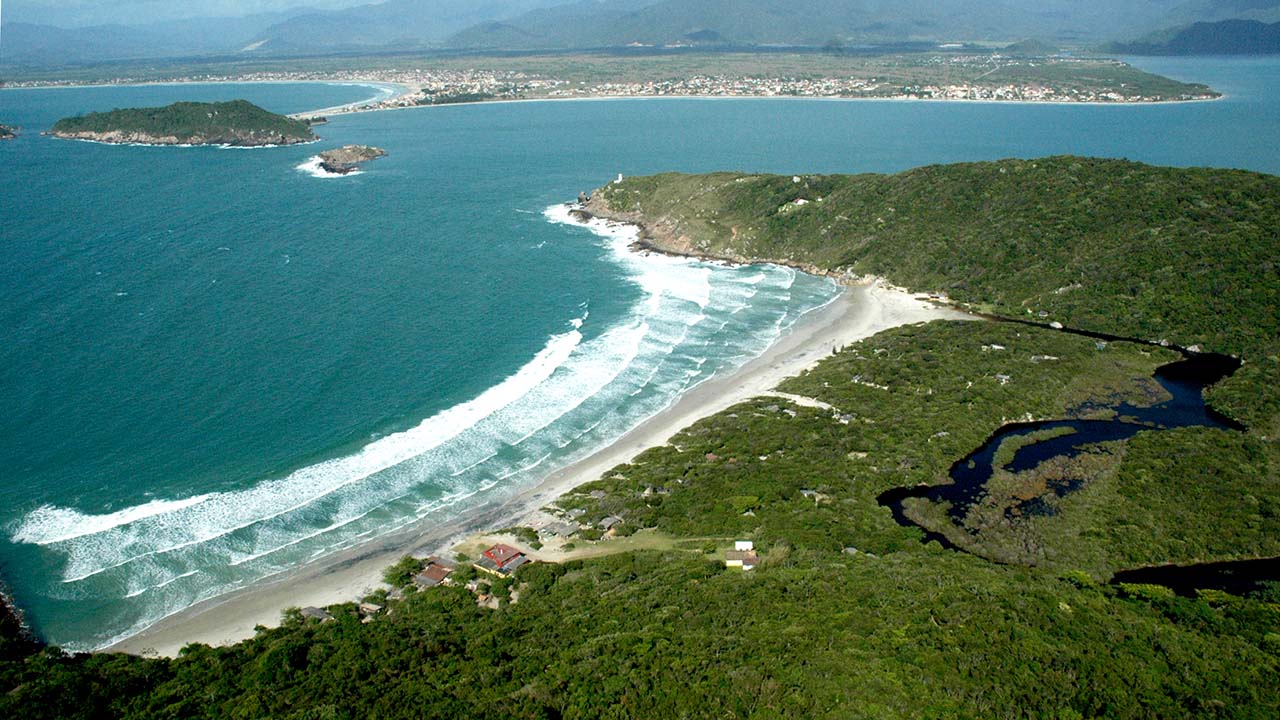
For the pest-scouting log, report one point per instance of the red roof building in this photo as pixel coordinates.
(502, 555)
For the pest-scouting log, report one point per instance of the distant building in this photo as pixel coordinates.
(560, 529)
(368, 608)
(315, 613)
(432, 576)
(745, 559)
(744, 545)
(609, 522)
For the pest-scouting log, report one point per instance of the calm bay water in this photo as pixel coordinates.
(217, 366)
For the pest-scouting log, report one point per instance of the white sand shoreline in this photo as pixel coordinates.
(859, 312)
(356, 107)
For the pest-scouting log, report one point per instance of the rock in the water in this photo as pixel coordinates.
(346, 159)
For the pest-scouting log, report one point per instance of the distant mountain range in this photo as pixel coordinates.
(612, 23)
(35, 44)
(390, 25)
(559, 25)
(399, 24)
(1228, 37)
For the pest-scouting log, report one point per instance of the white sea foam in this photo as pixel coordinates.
(312, 168)
(96, 543)
(47, 525)
(576, 394)
(138, 590)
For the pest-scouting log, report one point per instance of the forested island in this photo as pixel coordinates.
(236, 123)
(851, 612)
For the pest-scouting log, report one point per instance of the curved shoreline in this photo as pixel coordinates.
(770, 98)
(859, 311)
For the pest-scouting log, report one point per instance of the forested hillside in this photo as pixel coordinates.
(850, 612)
(1191, 256)
(237, 122)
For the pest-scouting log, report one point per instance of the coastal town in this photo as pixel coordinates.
(983, 78)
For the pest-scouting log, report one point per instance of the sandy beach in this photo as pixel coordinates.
(859, 312)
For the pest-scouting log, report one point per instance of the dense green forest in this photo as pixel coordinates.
(1191, 256)
(235, 121)
(849, 613)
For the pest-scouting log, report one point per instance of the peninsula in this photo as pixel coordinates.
(237, 123)
(431, 80)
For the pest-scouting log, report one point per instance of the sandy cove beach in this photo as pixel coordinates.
(859, 312)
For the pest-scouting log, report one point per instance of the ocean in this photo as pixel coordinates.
(218, 365)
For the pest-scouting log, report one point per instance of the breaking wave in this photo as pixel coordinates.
(312, 168)
(585, 388)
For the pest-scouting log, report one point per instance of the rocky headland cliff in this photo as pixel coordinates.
(666, 234)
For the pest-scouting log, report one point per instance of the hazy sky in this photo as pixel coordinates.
(70, 13)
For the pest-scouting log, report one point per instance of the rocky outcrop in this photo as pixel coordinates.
(8, 133)
(135, 137)
(664, 235)
(347, 159)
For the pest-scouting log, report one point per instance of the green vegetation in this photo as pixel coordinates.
(1187, 255)
(1177, 496)
(849, 614)
(923, 634)
(918, 398)
(402, 572)
(237, 122)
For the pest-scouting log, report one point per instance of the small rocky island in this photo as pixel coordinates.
(237, 123)
(8, 133)
(347, 159)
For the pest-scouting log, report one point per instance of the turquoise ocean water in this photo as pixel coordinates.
(217, 365)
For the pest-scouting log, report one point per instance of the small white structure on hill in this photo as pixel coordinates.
(742, 545)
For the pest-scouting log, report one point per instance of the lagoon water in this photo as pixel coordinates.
(217, 366)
